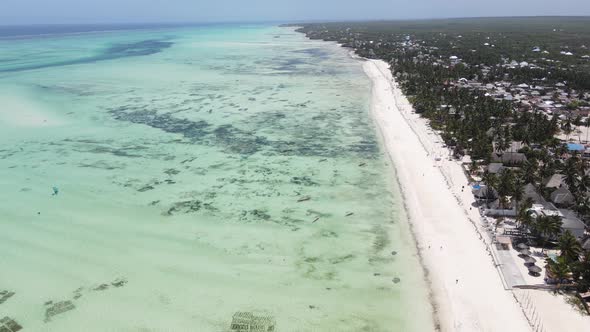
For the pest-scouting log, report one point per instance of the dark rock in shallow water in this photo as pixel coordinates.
(396, 280)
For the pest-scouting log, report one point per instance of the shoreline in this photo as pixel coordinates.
(470, 299)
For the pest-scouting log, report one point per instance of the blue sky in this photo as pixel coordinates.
(119, 11)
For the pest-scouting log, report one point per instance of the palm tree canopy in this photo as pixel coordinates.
(559, 268)
(548, 226)
(569, 246)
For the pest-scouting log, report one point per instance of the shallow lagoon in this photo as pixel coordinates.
(204, 173)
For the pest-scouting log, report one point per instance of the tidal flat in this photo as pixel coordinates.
(196, 179)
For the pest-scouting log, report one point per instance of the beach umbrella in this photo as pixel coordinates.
(522, 246)
(535, 269)
(529, 259)
(525, 252)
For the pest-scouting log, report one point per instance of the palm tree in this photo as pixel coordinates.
(569, 246)
(524, 217)
(517, 193)
(561, 150)
(490, 179)
(571, 173)
(505, 186)
(567, 128)
(587, 124)
(473, 168)
(581, 272)
(547, 227)
(559, 268)
(582, 205)
(529, 170)
(584, 183)
(526, 138)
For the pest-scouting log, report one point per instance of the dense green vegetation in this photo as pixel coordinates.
(457, 73)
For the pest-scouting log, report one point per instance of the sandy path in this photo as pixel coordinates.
(467, 289)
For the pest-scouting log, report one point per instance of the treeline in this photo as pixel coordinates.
(470, 121)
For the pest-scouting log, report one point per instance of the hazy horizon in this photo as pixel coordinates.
(30, 12)
(177, 23)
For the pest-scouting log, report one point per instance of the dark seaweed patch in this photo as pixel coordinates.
(119, 282)
(326, 134)
(165, 122)
(289, 64)
(141, 48)
(101, 287)
(101, 164)
(381, 240)
(247, 321)
(228, 136)
(303, 180)
(341, 259)
(117, 51)
(328, 234)
(8, 324)
(258, 214)
(92, 146)
(58, 308)
(161, 121)
(5, 295)
(171, 171)
(314, 52)
(186, 207)
(145, 188)
(238, 141)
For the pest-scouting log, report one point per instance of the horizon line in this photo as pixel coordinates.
(288, 21)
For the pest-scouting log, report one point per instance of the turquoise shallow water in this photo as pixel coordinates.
(202, 172)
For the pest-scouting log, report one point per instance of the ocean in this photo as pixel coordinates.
(196, 178)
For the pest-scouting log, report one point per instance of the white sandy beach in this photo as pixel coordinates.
(436, 218)
(467, 289)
